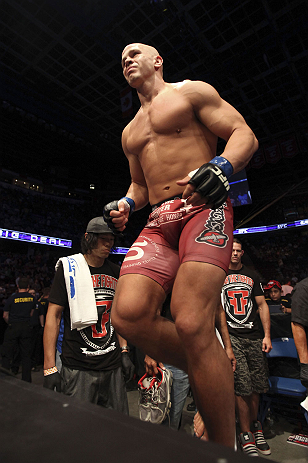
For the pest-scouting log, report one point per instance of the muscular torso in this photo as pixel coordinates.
(169, 141)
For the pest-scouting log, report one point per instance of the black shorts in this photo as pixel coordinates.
(105, 388)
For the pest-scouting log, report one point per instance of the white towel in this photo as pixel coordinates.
(80, 291)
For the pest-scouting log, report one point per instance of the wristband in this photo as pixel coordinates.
(124, 348)
(224, 164)
(50, 371)
(130, 202)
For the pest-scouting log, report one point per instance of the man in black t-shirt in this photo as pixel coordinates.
(243, 301)
(300, 326)
(18, 310)
(94, 358)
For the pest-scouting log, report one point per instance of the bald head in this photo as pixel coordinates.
(145, 48)
(141, 56)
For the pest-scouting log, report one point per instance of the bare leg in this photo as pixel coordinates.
(254, 406)
(247, 410)
(195, 297)
(135, 316)
(191, 344)
(242, 404)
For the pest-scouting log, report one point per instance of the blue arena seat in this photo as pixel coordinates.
(285, 393)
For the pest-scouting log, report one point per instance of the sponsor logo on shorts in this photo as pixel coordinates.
(165, 215)
(136, 251)
(214, 229)
(142, 252)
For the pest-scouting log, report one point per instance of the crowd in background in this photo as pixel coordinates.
(60, 217)
(276, 255)
(280, 255)
(28, 211)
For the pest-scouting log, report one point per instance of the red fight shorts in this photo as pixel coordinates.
(176, 233)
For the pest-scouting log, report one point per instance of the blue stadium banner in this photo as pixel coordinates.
(34, 238)
(269, 228)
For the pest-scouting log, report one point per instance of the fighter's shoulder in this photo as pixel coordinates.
(194, 86)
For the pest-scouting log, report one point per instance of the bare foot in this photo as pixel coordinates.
(199, 427)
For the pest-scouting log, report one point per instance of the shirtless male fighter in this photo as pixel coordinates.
(187, 241)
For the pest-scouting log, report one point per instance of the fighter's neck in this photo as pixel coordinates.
(149, 90)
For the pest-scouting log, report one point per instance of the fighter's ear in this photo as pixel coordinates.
(158, 62)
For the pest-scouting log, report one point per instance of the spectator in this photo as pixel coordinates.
(300, 326)
(280, 310)
(17, 313)
(94, 358)
(275, 297)
(242, 298)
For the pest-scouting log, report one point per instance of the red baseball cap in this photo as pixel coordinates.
(273, 283)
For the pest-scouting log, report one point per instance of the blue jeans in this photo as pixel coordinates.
(179, 391)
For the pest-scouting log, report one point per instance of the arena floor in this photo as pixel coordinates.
(282, 451)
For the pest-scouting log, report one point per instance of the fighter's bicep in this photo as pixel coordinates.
(213, 112)
(220, 118)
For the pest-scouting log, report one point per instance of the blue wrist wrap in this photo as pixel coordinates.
(224, 164)
(131, 203)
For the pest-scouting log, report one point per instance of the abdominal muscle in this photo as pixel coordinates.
(167, 159)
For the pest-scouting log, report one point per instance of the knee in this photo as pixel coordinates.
(195, 325)
(190, 327)
(125, 314)
(118, 317)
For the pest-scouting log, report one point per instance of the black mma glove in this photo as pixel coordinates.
(53, 382)
(113, 206)
(304, 374)
(211, 181)
(127, 367)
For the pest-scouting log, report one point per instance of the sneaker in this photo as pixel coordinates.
(261, 444)
(192, 406)
(145, 397)
(161, 399)
(248, 445)
(154, 396)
